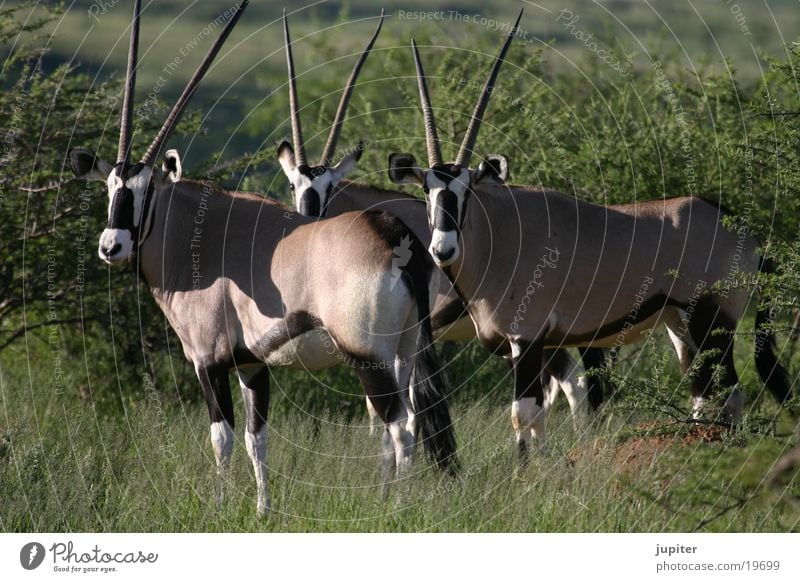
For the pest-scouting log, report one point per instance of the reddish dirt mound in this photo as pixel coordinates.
(641, 449)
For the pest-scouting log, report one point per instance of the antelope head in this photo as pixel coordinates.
(130, 186)
(311, 186)
(448, 186)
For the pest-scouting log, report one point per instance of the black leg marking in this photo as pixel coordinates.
(255, 391)
(381, 388)
(705, 320)
(595, 358)
(528, 370)
(528, 366)
(216, 391)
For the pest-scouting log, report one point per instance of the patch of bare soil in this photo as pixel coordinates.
(641, 449)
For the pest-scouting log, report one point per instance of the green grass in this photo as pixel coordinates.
(85, 445)
(67, 466)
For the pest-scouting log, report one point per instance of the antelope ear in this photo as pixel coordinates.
(172, 167)
(286, 158)
(87, 166)
(403, 169)
(492, 170)
(348, 164)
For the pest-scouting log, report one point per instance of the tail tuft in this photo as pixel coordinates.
(429, 394)
(430, 404)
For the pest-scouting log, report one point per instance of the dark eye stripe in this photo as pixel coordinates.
(120, 216)
(445, 214)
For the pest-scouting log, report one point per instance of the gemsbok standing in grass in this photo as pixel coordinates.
(247, 285)
(321, 190)
(612, 273)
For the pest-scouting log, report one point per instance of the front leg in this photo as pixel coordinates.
(255, 392)
(527, 410)
(217, 393)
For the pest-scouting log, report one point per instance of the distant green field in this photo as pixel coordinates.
(700, 30)
(252, 65)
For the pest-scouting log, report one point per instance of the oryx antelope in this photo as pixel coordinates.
(614, 274)
(321, 190)
(246, 284)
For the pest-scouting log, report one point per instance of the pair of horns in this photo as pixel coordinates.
(336, 129)
(431, 137)
(126, 116)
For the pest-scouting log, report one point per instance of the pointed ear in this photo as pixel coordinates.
(286, 157)
(172, 167)
(348, 164)
(492, 170)
(87, 166)
(403, 169)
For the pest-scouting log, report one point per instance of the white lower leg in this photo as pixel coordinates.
(698, 404)
(256, 445)
(527, 418)
(575, 390)
(404, 373)
(403, 441)
(387, 462)
(550, 393)
(374, 422)
(222, 444)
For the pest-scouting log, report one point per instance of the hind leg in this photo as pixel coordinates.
(564, 371)
(254, 383)
(374, 420)
(527, 410)
(397, 442)
(404, 370)
(596, 385)
(217, 393)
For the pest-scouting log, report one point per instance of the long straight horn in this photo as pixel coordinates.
(297, 130)
(336, 130)
(434, 152)
(183, 100)
(465, 152)
(126, 115)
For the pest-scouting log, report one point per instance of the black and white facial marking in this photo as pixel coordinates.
(312, 186)
(127, 186)
(447, 188)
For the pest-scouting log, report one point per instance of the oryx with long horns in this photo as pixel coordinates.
(321, 190)
(247, 285)
(612, 272)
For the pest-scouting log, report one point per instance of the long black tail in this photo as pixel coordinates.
(769, 368)
(428, 379)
